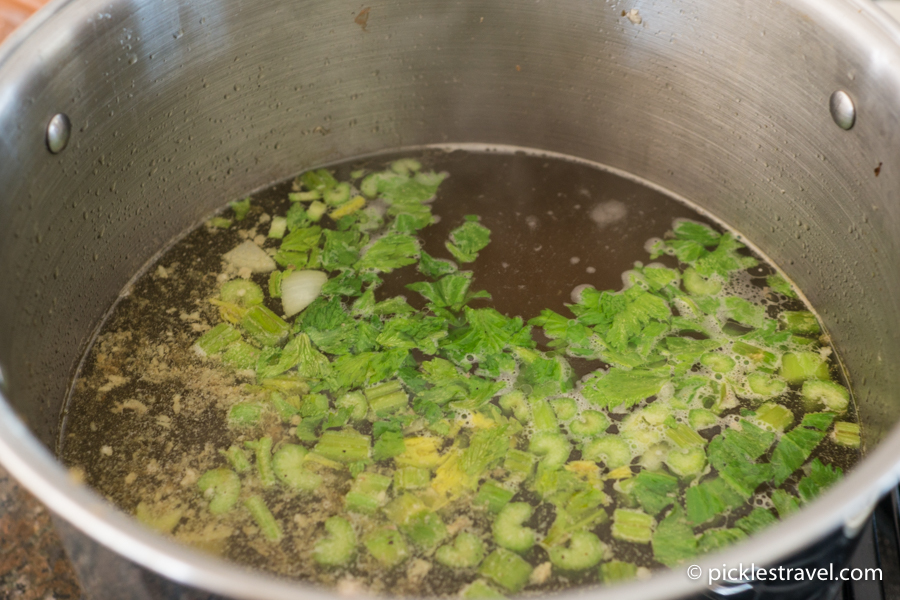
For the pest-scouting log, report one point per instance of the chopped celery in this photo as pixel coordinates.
(387, 546)
(617, 570)
(515, 403)
(758, 519)
(245, 414)
(241, 355)
(654, 491)
(241, 292)
(784, 503)
(585, 550)
(288, 466)
(757, 355)
(387, 398)
(698, 285)
(403, 508)
(800, 322)
(797, 367)
(356, 403)
(714, 539)
(718, 363)
(410, 478)
(833, 395)
(368, 493)
(467, 551)
(632, 526)
(316, 211)
(765, 385)
(686, 463)
(420, 452)
(237, 458)
(277, 228)
(590, 423)
(223, 486)
(269, 527)
(493, 496)
(216, 339)
(609, 449)
(508, 530)
(544, 417)
(519, 464)
(262, 450)
(506, 569)
(818, 420)
(775, 415)
(264, 326)
(554, 449)
(339, 546)
(425, 529)
(701, 418)
(684, 437)
(846, 434)
(673, 540)
(565, 408)
(348, 208)
(388, 445)
(337, 195)
(344, 446)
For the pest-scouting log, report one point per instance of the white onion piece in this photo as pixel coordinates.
(299, 289)
(250, 256)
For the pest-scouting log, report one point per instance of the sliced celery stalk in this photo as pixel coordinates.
(506, 569)
(590, 423)
(262, 450)
(632, 526)
(339, 546)
(508, 530)
(493, 496)
(800, 322)
(846, 434)
(466, 551)
(775, 415)
(797, 367)
(368, 493)
(288, 466)
(269, 527)
(387, 546)
(264, 326)
(216, 339)
(223, 486)
(765, 385)
(834, 396)
(553, 447)
(344, 446)
(585, 550)
(609, 449)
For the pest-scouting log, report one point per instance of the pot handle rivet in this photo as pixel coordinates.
(843, 111)
(59, 129)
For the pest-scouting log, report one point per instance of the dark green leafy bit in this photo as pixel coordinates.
(467, 239)
(674, 541)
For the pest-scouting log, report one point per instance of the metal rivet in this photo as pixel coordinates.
(842, 109)
(58, 131)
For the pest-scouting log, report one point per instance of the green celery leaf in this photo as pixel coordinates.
(390, 252)
(623, 387)
(674, 541)
(467, 239)
(434, 267)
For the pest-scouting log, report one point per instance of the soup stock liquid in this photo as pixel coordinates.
(147, 417)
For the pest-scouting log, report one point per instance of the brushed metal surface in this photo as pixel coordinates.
(177, 107)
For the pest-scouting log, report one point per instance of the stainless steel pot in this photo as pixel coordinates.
(175, 107)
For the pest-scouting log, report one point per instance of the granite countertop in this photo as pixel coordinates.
(33, 564)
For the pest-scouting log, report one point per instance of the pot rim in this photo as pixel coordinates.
(846, 506)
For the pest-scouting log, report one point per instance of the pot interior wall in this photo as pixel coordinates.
(178, 107)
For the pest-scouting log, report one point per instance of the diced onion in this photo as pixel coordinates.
(249, 255)
(299, 289)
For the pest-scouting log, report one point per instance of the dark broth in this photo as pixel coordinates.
(147, 417)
